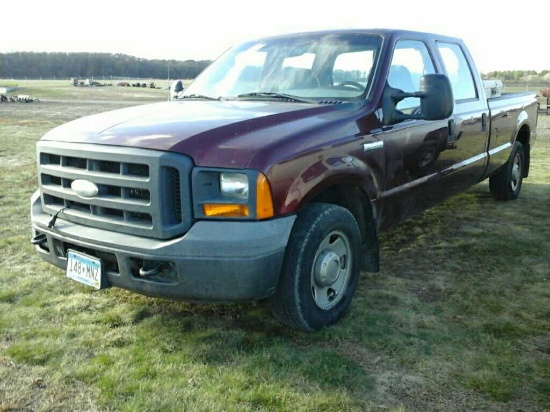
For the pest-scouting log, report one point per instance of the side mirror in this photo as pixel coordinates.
(175, 88)
(436, 100)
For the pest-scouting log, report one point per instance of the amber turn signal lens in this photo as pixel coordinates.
(225, 210)
(264, 201)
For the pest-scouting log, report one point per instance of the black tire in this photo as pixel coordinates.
(320, 269)
(506, 183)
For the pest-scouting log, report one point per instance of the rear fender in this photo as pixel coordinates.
(523, 119)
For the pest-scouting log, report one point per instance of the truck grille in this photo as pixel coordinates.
(141, 192)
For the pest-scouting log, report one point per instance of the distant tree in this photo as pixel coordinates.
(98, 65)
(514, 75)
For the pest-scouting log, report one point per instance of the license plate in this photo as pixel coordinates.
(84, 269)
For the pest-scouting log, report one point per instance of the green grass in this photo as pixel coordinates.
(458, 318)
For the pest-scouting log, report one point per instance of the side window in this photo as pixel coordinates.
(458, 70)
(411, 60)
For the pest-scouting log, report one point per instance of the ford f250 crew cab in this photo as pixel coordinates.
(274, 172)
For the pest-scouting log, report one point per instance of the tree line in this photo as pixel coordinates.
(515, 75)
(33, 65)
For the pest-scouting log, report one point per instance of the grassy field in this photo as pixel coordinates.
(458, 318)
(63, 89)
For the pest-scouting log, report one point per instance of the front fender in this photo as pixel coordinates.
(325, 173)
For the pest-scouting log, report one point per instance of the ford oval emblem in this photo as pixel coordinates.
(84, 188)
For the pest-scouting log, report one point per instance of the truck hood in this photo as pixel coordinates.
(213, 133)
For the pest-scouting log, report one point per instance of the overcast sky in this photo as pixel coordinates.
(500, 37)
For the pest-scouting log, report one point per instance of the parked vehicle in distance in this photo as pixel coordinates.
(274, 172)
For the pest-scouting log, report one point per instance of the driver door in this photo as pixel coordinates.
(416, 150)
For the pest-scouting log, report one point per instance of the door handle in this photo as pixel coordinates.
(484, 122)
(368, 147)
(451, 137)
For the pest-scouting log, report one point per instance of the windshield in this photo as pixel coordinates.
(311, 67)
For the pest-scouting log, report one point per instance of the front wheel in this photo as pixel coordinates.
(506, 184)
(321, 268)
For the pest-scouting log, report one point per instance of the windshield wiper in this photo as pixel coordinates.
(198, 96)
(272, 95)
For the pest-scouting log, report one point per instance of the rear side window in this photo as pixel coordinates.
(458, 70)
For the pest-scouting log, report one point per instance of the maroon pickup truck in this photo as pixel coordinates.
(273, 173)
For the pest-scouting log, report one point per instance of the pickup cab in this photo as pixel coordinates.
(276, 169)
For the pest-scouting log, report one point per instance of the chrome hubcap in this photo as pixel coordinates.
(331, 270)
(516, 172)
(327, 268)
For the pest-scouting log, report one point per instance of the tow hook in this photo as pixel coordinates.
(149, 271)
(39, 239)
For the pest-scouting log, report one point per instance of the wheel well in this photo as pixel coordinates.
(357, 202)
(523, 137)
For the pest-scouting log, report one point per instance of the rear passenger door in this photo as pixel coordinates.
(468, 130)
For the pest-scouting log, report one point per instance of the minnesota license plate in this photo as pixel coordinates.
(84, 269)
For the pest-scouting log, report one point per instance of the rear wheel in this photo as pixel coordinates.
(321, 268)
(506, 184)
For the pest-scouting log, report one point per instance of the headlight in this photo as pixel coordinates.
(234, 185)
(227, 194)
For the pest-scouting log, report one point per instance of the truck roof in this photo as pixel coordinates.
(385, 32)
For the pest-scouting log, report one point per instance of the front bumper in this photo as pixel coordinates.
(212, 262)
